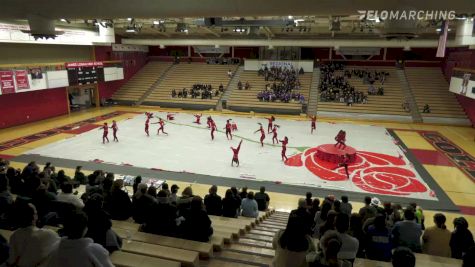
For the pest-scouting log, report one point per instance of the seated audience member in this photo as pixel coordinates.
(262, 199)
(321, 217)
(230, 205)
(62, 178)
(247, 86)
(42, 200)
(461, 239)
(184, 201)
(213, 203)
(292, 244)
(162, 217)
(368, 211)
(406, 106)
(141, 204)
(426, 109)
(302, 214)
(6, 200)
(378, 244)
(356, 231)
(66, 195)
(329, 224)
(328, 256)
(349, 244)
(436, 239)
(118, 203)
(79, 176)
(308, 200)
(221, 88)
(469, 258)
(196, 225)
(75, 250)
(99, 224)
(239, 85)
(164, 187)
(4, 250)
(137, 181)
(419, 214)
(243, 193)
(407, 233)
(29, 245)
(249, 206)
(173, 194)
(403, 257)
(345, 206)
(15, 181)
(230, 73)
(314, 208)
(152, 191)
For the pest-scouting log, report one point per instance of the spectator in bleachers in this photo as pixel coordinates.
(141, 204)
(137, 181)
(239, 84)
(378, 244)
(356, 231)
(302, 214)
(99, 224)
(221, 88)
(6, 200)
(469, 258)
(42, 200)
(230, 205)
(321, 217)
(79, 176)
(461, 239)
(67, 195)
(247, 86)
(230, 74)
(345, 206)
(314, 208)
(406, 106)
(62, 178)
(419, 213)
(174, 94)
(196, 225)
(328, 256)
(161, 220)
(118, 203)
(4, 250)
(437, 238)
(152, 191)
(184, 201)
(329, 223)
(29, 245)
(426, 109)
(308, 199)
(349, 244)
(213, 202)
(75, 250)
(403, 257)
(164, 187)
(262, 199)
(173, 193)
(249, 206)
(243, 193)
(368, 211)
(236, 196)
(15, 181)
(407, 233)
(292, 244)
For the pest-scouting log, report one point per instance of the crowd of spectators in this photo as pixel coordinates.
(285, 86)
(382, 232)
(203, 91)
(86, 238)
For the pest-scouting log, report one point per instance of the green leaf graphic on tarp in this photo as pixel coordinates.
(302, 148)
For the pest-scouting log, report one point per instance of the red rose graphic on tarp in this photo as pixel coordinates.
(372, 172)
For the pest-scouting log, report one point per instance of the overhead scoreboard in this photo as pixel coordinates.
(81, 73)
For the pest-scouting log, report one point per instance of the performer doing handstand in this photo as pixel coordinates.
(236, 154)
(198, 118)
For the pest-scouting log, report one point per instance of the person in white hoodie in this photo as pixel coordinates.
(75, 250)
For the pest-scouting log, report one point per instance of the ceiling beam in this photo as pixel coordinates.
(210, 31)
(270, 34)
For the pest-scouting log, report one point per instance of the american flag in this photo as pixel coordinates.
(444, 29)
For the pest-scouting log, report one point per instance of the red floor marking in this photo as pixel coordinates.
(82, 129)
(4, 156)
(431, 157)
(467, 210)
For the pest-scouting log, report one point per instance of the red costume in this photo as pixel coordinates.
(274, 137)
(284, 148)
(198, 118)
(236, 154)
(146, 125)
(170, 116)
(269, 124)
(263, 135)
(162, 126)
(114, 131)
(209, 120)
(234, 126)
(314, 121)
(340, 139)
(213, 128)
(228, 129)
(344, 163)
(105, 133)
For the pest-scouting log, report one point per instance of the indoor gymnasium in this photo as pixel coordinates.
(224, 133)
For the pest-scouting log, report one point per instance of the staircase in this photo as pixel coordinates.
(408, 96)
(229, 88)
(313, 95)
(154, 85)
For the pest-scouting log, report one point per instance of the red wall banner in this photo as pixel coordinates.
(6, 82)
(21, 78)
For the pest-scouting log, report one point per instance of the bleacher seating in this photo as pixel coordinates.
(429, 86)
(136, 87)
(247, 99)
(387, 104)
(184, 76)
